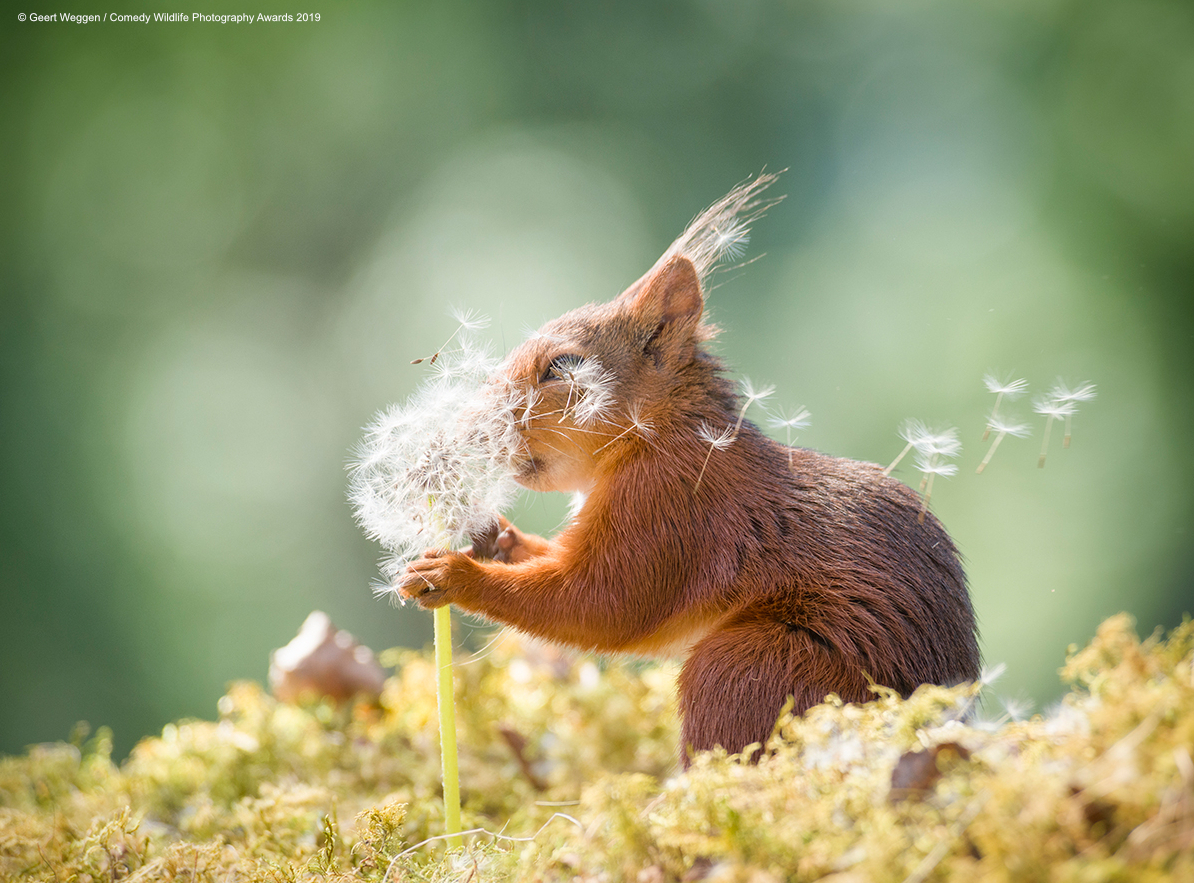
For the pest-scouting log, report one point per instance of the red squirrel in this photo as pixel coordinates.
(775, 572)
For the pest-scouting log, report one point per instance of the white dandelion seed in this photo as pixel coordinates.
(944, 442)
(930, 461)
(751, 395)
(990, 674)
(1002, 426)
(635, 424)
(1010, 389)
(797, 420)
(730, 241)
(590, 391)
(470, 320)
(1051, 409)
(725, 438)
(717, 441)
(1015, 709)
(467, 320)
(1081, 393)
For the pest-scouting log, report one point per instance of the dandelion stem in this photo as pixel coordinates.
(896, 461)
(430, 360)
(1065, 442)
(1045, 446)
(741, 417)
(991, 451)
(703, 467)
(928, 489)
(446, 701)
(994, 416)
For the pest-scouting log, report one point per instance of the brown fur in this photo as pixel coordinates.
(782, 572)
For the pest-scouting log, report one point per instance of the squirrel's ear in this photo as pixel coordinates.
(668, 299)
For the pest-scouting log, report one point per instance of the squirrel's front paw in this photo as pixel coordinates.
(429, 579)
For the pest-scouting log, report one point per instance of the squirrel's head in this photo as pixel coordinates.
(605, 378)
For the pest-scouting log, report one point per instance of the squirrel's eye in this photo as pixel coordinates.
(561, 367)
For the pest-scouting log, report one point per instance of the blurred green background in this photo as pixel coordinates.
(223, 244)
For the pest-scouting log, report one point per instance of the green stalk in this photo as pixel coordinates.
(446, 701)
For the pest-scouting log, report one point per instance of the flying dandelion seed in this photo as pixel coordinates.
(751, 395)
(719, 441)
(1082, 393)
(1002, 426)
(933, 448)
(917, 435)
(636, 424)
(467, 320)
(930, 462)
(590, 392)
(912, 432)
(1011, 389)
(788, 423)
(1051, 409)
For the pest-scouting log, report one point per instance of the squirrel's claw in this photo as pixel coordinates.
(427, 579)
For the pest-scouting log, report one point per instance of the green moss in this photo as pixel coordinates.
(581, 760)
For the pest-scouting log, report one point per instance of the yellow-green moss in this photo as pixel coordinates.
(582, 760)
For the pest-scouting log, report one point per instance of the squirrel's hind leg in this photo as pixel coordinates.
(736, 680)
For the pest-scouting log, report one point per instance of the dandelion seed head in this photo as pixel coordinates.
(1010, 389)
(437, 469)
